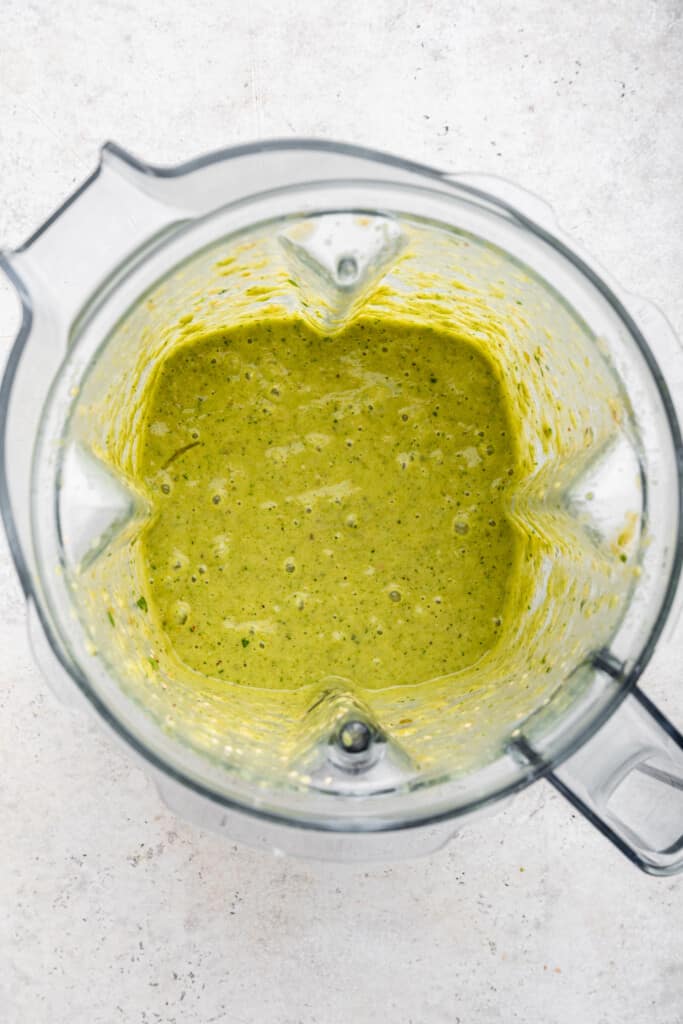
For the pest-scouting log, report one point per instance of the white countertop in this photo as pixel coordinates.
(110, 908)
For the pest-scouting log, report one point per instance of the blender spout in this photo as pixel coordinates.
(78, 249)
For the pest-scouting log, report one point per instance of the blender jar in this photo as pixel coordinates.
(137, 261)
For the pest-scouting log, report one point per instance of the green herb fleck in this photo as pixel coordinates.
(110, 616)
(245, 642)
(153, 662)
(142, 604)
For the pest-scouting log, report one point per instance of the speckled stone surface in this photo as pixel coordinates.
(113, 910)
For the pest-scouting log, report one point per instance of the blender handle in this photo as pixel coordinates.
(627, 780)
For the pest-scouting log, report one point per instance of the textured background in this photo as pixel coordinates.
(112, 910)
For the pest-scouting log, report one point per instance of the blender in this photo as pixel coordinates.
(126, 271)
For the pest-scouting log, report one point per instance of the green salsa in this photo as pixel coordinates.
(328, 505)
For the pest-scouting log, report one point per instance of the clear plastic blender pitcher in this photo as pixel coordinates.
(125, 271)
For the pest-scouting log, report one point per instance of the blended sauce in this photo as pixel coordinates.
(328, 505)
